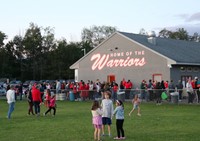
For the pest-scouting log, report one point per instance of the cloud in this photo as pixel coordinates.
(189, 18)
(183, 16)
(193, 17)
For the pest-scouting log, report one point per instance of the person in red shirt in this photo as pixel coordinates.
(115, 89)
(128, 87)
(166, 84)
(87, 90)
(47, 98)
(193, 84)
(82, 91)
(36, 95)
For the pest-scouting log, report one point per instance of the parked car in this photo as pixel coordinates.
(2, 92)
(15, 82)
(26, 83)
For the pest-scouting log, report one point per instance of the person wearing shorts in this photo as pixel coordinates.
(107, 106)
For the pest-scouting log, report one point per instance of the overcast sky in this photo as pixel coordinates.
(69, 17)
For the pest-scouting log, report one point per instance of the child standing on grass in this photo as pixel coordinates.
(136, 103)
(119, 111)
(52, 105)
(47, 97)
(97, 119)
(107, 106)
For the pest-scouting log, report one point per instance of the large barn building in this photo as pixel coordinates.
(139, 57)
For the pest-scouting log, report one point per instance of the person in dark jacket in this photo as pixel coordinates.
(30, 103)
(159, 91)
(179, 87)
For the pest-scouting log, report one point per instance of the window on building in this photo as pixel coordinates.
(182, 69)
(189, 69)
(196, 69)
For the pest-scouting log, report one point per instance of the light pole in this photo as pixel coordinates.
(83, 51)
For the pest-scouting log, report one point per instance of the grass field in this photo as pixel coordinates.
(167, 122)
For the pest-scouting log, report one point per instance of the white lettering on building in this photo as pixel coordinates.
(108, 61)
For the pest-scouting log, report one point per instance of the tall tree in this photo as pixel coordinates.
(179, 34)
(33, 47)
(142, 31)
(164, 33)
(19, 54)
(2, 38)
(96, 34)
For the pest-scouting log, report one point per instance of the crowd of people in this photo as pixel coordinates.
(148, 91)
(102, 109)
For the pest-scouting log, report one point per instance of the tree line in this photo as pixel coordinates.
(38, 55)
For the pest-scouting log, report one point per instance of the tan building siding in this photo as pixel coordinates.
(119, 47)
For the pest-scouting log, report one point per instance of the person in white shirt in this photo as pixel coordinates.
(189, 90)
(10, 95)
(58, 86)
(107, 106)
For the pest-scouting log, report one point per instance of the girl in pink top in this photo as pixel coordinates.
(97, 119)
(52, 105)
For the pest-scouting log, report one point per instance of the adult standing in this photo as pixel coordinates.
(20, 89)
(128, 87)
(58, 87)
(10, 95)
(150, 90)
(179, 87)
(189, 90)
(158, 93)
(197, 87)
(30, 102)
(36, 95)
(143, 90)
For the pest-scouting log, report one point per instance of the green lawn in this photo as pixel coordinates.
(72, 122)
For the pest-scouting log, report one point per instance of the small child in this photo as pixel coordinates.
(107, 106)
(47, 97)
(136, 102)
(52, 105)
(119, 111)
(96, 119)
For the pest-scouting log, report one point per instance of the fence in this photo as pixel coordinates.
(173, 95)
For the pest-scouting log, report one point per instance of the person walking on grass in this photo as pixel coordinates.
(136, 103)
(97, 119)
(47, 98)
(107, 106)
(119, 114)
(30, 102)
(52, 105)
(10, 95)
(37, 101)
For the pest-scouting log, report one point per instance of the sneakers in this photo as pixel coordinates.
(117, 138)
(44, 114)
(121, 138)
(139, 114)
